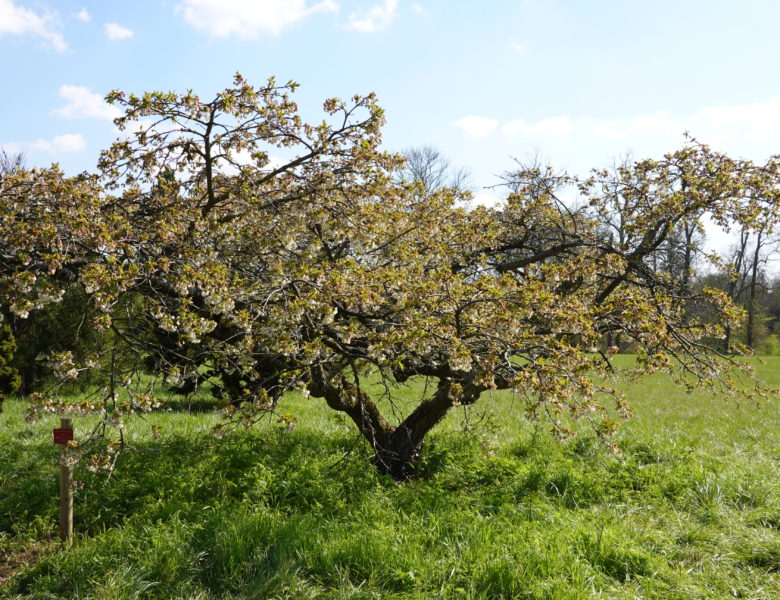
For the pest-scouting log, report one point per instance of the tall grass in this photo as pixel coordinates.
(690, 510)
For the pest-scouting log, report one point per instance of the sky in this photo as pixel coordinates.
(578, 83)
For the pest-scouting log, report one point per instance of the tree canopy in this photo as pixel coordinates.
(229, 241)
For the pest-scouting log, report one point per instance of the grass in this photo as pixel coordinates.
(691, 510)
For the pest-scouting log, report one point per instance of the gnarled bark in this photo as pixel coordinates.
(396, 448)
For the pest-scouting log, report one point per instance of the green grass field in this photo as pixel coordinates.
(690, 510)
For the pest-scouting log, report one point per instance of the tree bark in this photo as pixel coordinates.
(396, 448)
(751, 308)
(400, 451)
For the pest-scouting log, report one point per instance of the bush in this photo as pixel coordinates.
(9, 375)
(64, 326)
(769, 346)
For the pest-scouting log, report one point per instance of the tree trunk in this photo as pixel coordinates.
(737, 281)
(689, 231)
(397, 456)
(396, 449)
(751, 308)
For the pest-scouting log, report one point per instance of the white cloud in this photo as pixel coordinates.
(83, 15)
(84, 104)
(420, 9)
(12, 148)
(115, 31)
(514, 126)
(560, 126)
(16, 20)
(519, 47)
(554, 126)
(69, 142)
(248, 18)
(375, 18)
(475, 126)
(610, 129)
(758, 121)
(657, 125)
(749, 130)
(484, 199)
(754, 122)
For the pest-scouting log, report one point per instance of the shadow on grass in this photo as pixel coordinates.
(220, 514)
(276, 514)
(164, 477)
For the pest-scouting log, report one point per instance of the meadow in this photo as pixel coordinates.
(499, 509)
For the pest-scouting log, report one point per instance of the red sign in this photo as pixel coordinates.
(63, 436)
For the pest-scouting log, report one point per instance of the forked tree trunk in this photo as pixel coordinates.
(396, 449)
(397, 454)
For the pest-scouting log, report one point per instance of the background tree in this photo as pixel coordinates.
(744, 277)
(59, 320)
(9, 375)
(764, 247)
(10, 162)
(771, 308)
(428, 167)
(535, 178)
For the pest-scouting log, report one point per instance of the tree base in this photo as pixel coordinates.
(399, 462)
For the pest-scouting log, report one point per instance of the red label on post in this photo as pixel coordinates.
(63, 436)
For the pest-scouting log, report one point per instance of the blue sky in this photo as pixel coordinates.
(578, 82)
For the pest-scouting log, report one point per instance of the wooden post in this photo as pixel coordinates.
(66, 487)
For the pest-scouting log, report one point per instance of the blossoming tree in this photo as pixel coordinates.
(230, 242)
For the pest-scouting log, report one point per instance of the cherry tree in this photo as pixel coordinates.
(229, 243)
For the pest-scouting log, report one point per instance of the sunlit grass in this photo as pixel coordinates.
(690, 510)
